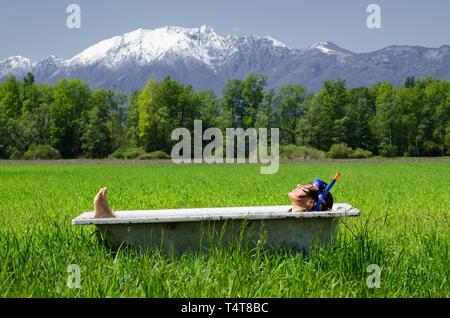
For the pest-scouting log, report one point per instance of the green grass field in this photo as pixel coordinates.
(404, 228)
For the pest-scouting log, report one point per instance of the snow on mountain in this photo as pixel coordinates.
(275, 42)
(19, 62)
(329, 48)
(147, 46)
(204, 59)
(15, 65)
(49, 64)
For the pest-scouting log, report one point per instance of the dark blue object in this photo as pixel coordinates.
(323, 189)
(319, 184)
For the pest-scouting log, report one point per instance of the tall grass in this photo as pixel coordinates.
(404, 229)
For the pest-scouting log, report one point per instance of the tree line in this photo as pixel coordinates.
(74, 121)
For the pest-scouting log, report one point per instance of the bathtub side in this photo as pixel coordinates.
(180, 237)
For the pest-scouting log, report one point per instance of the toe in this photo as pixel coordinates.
(98, 195)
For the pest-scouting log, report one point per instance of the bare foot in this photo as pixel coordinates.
(101, 207)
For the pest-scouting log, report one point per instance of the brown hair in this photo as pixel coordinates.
(327, 204)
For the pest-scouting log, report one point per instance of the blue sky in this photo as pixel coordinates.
(37, 29)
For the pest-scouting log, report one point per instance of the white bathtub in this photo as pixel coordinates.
(190, 230)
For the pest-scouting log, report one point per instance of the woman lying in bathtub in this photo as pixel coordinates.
(303, 198)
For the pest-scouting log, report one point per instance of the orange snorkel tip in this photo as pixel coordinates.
(337, 176)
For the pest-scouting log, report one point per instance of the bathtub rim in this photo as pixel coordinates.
(214, 214)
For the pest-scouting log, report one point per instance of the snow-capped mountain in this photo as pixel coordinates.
(204, 59)
(329, 48)
(15, 65)
(148, 46)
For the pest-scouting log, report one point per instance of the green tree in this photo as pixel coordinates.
(268, 115)
(4, 139)
(164, 106)
(434, 117)
(386, 120)
(132, 120)
(290, 100)
(10, 97)
(117, 118)
(442, 130)
(410, 82)
(242, 100)
(68, 112)
(96, 139)
(315, 127)
(355, 124)
(207, 106)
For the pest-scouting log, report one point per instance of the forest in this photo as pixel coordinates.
(69, 120)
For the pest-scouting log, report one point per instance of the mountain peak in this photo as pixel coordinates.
(16, 58)
(18, 61)
(16, 65)
(328, 47)
(206, 29)
(178, 29)
(147, 45)
(275, 42)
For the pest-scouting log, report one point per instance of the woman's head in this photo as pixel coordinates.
(305, 197)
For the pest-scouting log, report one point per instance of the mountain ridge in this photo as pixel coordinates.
(204, 59)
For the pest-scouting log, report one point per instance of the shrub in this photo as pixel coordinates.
(388, 150)
(340, 151)
(300, 152)
(127, 153)
(361, 154)
(154, 155)
(432, 149)
(15, 154)
(41, 152)
(287, 151)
